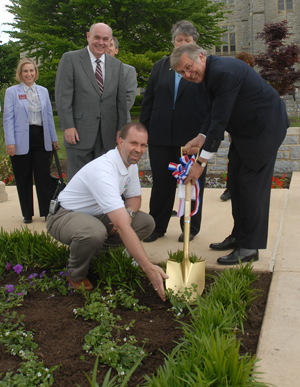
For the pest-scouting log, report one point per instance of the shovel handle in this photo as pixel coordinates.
(194, 151)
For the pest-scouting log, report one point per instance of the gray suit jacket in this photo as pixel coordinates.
(80, 104)
(131, 85)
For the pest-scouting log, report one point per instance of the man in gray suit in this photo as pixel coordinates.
(129, 75)
(91, 111)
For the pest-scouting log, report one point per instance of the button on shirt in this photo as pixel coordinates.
(94, 63)
(34, 105)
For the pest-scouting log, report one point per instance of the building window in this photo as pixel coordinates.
(229, 42)
(285, 5)
(227, 2)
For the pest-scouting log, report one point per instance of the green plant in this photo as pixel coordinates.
(178, 256)
(31, 249)
(114, 267)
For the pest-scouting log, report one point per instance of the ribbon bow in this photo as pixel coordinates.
(180, 173)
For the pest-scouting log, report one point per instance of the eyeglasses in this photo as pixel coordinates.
(187, 69)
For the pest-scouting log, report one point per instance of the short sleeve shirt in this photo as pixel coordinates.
(97, 187)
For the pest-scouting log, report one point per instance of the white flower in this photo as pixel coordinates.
(48, 376)
(39, 374)
(75, 311)
(125, 339)
(46, 369)
(7, 333)
(122, 373)
(12, 352)
(24, 334)
(127, 328)
(150, 320)
(178, 314)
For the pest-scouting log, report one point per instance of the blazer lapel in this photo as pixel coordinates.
(88, 68)
(170, 77)
(21, 92)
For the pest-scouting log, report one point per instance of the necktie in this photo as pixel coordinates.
(99, 76)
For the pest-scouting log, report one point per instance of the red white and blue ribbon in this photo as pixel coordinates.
(181, 172)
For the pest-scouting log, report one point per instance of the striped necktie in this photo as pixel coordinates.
(99, 76)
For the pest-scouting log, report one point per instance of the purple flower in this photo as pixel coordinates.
(61, 273)
(31, 283)
(18, 269)
(8, 266)
(9, 288)
(32, 275)
(42, 273)
(20, 294)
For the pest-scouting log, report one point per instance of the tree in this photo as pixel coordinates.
(9, 57)
(277, 63)
(48, 28)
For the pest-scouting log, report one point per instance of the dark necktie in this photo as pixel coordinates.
(99, 76)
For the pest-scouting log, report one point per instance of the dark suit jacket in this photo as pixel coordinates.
(79, 101)
(165, 126)
(247, 107)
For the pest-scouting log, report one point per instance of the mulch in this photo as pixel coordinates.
(60, 336)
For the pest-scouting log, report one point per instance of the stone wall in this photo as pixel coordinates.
(288, 157)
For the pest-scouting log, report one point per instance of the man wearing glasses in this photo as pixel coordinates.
(243, 104)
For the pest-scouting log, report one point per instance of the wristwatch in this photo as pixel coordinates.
(203, 165)
(131, 213)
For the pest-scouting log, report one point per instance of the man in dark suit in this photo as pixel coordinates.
(90, 99)
(173, 111)
(255, 116)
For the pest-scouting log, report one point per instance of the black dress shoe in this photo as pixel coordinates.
(245, 255)
(152, 237)
(27, 220)
(225, 195)
(181, 237)
(227, 244)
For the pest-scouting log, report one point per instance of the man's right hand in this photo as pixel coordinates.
(156, 275)
(71, 136)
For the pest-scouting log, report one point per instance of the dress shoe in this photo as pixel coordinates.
(225, 195)
(84, 283)
(181, 237)
(227, 244)
(27, 220)
(155, 235)
(245, 255)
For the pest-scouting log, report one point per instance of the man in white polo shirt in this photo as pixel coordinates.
(93, 215)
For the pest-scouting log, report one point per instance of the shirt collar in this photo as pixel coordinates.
(93, 58)
(26, 88)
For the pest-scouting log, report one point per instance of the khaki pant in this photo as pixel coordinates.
(87, 234)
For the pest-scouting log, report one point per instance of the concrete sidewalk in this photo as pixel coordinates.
(279, 344)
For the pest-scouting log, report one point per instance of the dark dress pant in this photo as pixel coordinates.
(36, 163)
(250, 199)
(164, 188)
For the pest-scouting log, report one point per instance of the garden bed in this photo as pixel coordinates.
(60, 336)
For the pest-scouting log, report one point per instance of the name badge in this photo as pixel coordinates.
(22, 96)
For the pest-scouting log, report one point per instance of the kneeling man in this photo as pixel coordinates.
(92, 214)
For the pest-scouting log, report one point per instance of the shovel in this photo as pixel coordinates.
(182, 275)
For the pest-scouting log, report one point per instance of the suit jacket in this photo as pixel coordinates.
(16, 118)
(79, 101)
(167, 126)
(247, 107)
(130, 85)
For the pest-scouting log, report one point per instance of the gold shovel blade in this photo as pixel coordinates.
(195, 275)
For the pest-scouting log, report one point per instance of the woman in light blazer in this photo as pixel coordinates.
(30, 136)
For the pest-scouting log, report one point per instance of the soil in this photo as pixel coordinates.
(144, 180)
(60, 336)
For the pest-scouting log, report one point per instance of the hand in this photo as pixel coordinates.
(71, 136)
(194, 174)
(10, 149)
(195, 142)
(55, 145)
(156, 275)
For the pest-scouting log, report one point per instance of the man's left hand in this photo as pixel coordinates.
(194, 174)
